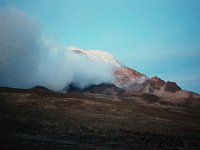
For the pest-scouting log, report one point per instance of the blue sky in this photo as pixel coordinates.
(156, 37)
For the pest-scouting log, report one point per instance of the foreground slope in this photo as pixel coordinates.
(101, 117)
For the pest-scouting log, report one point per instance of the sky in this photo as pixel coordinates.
(155, 37)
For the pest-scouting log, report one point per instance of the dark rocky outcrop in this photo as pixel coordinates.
(172, 87)
(103, 88)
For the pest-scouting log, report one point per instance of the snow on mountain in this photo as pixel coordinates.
(98, 55)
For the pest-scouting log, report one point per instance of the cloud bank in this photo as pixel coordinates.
(27, 60)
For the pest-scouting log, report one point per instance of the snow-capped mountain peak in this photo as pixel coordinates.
(98, 55)
(127, 78)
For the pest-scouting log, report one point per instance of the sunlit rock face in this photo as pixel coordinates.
(129, 79)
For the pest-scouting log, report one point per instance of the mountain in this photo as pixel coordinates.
(132, 80)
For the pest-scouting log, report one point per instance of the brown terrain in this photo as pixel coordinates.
(101, 117)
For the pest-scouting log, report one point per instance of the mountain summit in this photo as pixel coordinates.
(130, 79)
(98, 56)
